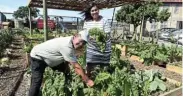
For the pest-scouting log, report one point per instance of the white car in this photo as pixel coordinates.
(165, 35)
(176, 34)
(180, 41)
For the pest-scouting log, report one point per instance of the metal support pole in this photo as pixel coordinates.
(57, 19)
(142, 26)
(77, 25)
(112, 23)
(45, 20)
(30, 23)
(113, 17)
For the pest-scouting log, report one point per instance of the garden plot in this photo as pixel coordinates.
(167, 60)
(164, 71)
(119, 79)
(11, 72)
(174, 79)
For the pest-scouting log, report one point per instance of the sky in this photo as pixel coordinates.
(12, 5)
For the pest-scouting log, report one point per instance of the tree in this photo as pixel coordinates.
(163, 16)
(130, 13)
(151, 12)
(23, 13)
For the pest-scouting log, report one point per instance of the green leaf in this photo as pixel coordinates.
(162, 86)
(150, 74)
(102, 77)
(126, 88)
(153, 85)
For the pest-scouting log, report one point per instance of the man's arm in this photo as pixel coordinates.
(79, 71)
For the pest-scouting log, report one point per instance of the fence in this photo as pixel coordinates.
(119, 30)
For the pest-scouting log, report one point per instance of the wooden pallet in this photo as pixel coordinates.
(174, 92)
(175, 69)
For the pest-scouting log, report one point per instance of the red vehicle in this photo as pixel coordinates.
(51, 23)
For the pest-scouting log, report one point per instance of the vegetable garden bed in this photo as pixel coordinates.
(11, 72)
(174, 79)
(119, 79)
(75, 86)
(172, 71)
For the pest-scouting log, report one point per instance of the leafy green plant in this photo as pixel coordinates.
(174, 52)
(156, 80)
(28, 47)
(6, 38)
(99, 36)
(152, 52)
(120, 81)
(147, 82)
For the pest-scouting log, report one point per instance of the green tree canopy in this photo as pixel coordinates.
(23, 12)
(163, 15)
(129, 13)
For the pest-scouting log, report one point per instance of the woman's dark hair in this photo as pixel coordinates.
(86, 12)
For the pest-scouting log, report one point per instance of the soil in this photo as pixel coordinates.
(10, 74)
(24, 86)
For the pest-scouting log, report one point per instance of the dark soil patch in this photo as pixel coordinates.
(15, 57)
(16, 47)
(7, 69)
(17, 43)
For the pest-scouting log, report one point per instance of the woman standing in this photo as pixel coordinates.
(93, 55)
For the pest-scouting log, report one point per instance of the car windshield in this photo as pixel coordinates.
(170, 31)
(166, 30)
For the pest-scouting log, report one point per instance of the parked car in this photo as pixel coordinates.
(176, 34)
(165, 35)
(158, 32)
(180, 41)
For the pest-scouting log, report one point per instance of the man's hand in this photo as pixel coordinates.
(90, 83)
(79, 71)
